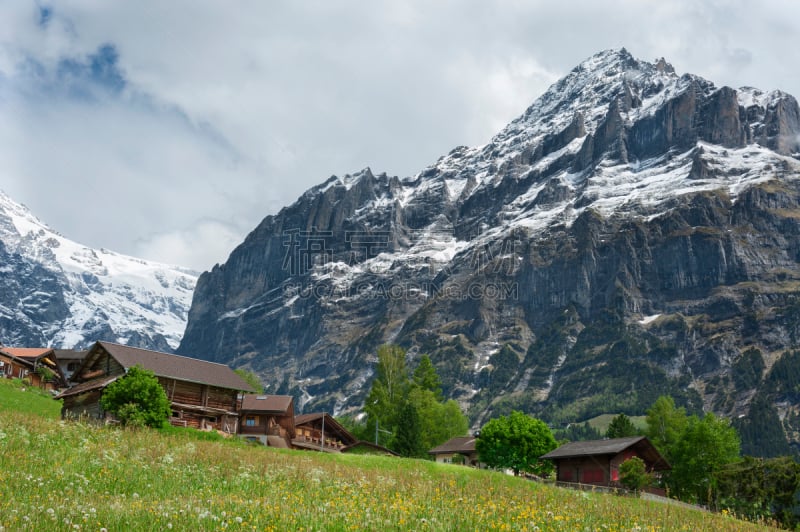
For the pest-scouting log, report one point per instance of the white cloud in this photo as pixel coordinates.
(236, 109)
(191, 245)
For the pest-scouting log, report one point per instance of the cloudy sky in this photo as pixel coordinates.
(168, 130)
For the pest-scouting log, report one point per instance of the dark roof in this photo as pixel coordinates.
(302, 419)
(593, 447)
(70, 354)
(330, 424)
(87, 386)
(459, 444)
(266, 403)
(176, 366)
(613, 446)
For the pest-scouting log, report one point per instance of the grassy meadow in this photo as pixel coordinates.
(58, 475)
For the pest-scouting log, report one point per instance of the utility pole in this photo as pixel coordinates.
(322, 440)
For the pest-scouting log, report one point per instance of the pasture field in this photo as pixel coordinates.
(57, 475)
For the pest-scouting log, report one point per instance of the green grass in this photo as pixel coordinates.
(57, 475)
(18, 397)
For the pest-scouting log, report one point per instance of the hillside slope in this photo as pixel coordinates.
(72, 476)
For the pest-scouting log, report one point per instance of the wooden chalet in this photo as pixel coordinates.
(36, 365)
(597, 461)
(320, 432)
(458, 450)
(69, 360)
(268, 419)
(203, 395)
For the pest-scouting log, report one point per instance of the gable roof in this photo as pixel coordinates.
(88, 386)
(593, 447)
(459, 444)
(330, 424)
(70, 354)
(174, 366)
(613, 446)
(266, 403)
(27, 354)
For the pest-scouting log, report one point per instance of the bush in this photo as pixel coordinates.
(137, 399)
(633, 474)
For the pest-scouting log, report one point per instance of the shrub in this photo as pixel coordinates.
(633, 474)
(137, 399)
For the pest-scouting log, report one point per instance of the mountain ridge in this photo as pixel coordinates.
(624, 192)
(62, 294)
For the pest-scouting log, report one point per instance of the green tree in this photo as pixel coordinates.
(389, 389)
(439, 421)
(357, 427)
(451, 422)
(250, 378)
(633, 474)
(665, 425)
(516, 442)
(426, 377)
(760, 488)
(703, 449)
(137, 399)
(621, 427)
(394, 394)
(407, 440)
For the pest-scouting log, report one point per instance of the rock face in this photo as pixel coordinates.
(633, 233)
(57, 293)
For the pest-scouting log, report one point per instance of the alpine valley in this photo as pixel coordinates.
(634, 233)
(55, 292)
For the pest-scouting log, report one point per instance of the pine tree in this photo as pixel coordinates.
(425, 377)
(407, 440)
(621, 427)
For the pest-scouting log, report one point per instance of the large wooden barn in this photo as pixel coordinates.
(597, 461)
(203, 395)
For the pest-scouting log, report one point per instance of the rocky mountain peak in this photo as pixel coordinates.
(631, 220)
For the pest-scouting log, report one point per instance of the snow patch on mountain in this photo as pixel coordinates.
(106, 292)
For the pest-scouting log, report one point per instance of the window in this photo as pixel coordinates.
(72, 366)
(250, 421)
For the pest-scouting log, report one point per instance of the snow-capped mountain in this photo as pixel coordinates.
(59, 293)
(633, 233)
